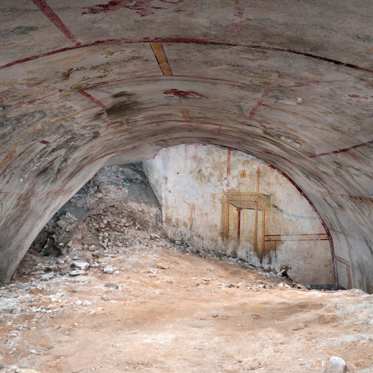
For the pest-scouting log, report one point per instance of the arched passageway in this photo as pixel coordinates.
(80, 89)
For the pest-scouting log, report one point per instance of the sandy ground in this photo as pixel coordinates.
(167, 311)
(161, 309)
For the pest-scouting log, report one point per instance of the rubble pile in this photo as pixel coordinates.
(119, 193)
(114, 211)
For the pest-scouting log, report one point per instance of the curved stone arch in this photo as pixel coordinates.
(77, 132)
(56, 197)
(180, 40)
(157, 137)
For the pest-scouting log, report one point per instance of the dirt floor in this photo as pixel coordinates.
(103, 290)
(166, 311)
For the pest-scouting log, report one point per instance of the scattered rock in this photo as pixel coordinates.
(8, 305)
(15, 369)
(84, 303)
(230, 286)
(284, 271)
(154, 236)
(76, 273)
(112, 286)
(336, 365)
(108, 269)
(284, 285)
(47, 276)
(80, 264)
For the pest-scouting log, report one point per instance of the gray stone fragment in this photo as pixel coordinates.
(47, 276)
(112, 286)
(76, 272)
(80, 264)
(108, 269)
(336, 365)
(8, 305)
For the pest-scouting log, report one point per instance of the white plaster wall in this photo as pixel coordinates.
(190, 181)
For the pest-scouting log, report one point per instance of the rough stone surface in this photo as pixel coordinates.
(86, 83)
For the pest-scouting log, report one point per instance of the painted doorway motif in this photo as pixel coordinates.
(246, 218)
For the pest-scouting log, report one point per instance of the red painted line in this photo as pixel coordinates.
(36, 57)
(343, 150)
(177, 40)
(183, 94)
(297, 240)
(258, 104)
(229, 158)
(238, 224)
(295, 234)
(56, 20)
(95, 100)
(255, 108)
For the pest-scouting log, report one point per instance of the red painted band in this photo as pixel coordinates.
(95, 100)
(56, 20)
(343, 150)
(196, 41)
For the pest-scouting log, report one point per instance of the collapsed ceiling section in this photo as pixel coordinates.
(85, 84)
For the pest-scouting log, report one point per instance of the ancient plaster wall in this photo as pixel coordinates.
(229, 202)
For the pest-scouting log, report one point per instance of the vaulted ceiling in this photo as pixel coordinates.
(84, 83)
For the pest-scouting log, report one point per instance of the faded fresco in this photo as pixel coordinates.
(230, 203)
